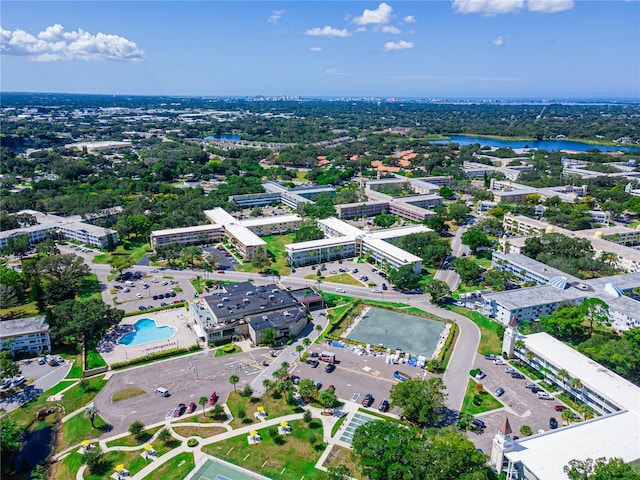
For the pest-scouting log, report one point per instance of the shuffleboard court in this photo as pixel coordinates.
(211, 470)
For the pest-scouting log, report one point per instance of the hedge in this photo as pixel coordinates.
(156, 309)
(154, 356)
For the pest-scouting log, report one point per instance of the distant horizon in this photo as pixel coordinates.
(293, 97)
(448, 49)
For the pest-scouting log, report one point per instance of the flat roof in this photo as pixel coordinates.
(341, 226)
(626, 281)
(545, 455)
(321, 243)
(23, 326)
(533, 296)
(360, 204)
(177, 231)
(274, 219)
(219, 216)
(520, 260)
(391, 250)
(244, 235)
(398, 232)
(46, 222)
(591, 373)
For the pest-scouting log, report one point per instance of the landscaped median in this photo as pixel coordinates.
(478, 400)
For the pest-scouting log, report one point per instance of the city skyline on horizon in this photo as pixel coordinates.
(455, 50)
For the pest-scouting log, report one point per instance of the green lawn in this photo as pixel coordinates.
(90, 288)
(221, 353)
(275, 407)
(77, 429)
(60, 386)
(175, 469)
(343, 278)
(136, 250)
(128, 392)
(275, 247)
(490, 341)
(21, 311)
(489, 402)
(132, 441)
(294, 458)
(76, 368)
(94, 360)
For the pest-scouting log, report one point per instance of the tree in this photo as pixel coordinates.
(576, 386)
(526, 431)
(218, 411)
(601, 469)
(79, 322)
(93, 460)
(91, 412)
(567, 416)
(233, 380)
(260, 260)
(586, 411)
(475, 239)
(18, 246)
(497, 279)
(299, 349)
(384, 219)
(267, 384)
(306, 341)
(136, 429)
(458, 212)
(437, 223)
(327, 398)
(64, 274)
(428, 246)
(10, 435)
(203, 401)
(421, 400)
(564, 323)
(563, 376)
(190, 254)
(256, 212)
(47, 247)
(405, 278)
(446, 192)
(307, 389)
(165, 436)
(8, 368)
(308, 231)
(468, 270)
(340, 472)
(594, 310)
(438, 290)
(269, 336)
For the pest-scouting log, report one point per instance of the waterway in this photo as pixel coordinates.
(549, 145)
(230, 138)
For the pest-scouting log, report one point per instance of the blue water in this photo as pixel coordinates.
(146, 331)
(232, 138)
(549, 145)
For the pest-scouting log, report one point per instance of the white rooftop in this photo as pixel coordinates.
(592, 374)
(545, 455)
(244, 235)
(398, 232)
(342, 227)
(274, 219)
(178, 231)
(391, 251)
(321, 243)
(219, 216)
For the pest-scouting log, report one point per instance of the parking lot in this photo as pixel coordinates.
(140, 288)
(187, 379)
(333, 268)
(45, 377)
(522, 407)
(355, 375)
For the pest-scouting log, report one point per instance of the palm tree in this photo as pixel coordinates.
(530, 356)
(203, 401)
(91, 412)
(586, 411)
(576, 385)
(233, 380)
(306, 341)
(164, 436)
(267, 384)
(526, 431)
(567, 416)
(299, 349)
(563, 376)
(519, 344)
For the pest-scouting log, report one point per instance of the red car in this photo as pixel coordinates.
(179, 410)
(560, 408)
(213, 398)
(191, 407)
(221, 271)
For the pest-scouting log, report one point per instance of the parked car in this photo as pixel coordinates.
(559, 408)
(499, 361)
(221, 272)
(544, 396)
(536, 389)
(491, 356)
(139, 295)
(213, 398)
(313, 362)
(18, 381)
(295, 379)
(376, 290)
(317, 384)
(499, 391)
(384, 286)
(367, 401)
(5, 384)
(142, 308)
(41, 361)
(478, 423)
(59, 359)
(329, 368)
(340, 290)
(480, 375)
(553, 423)
(191, 407)
(529, 385)
(517, 375)
(510, 370)
(384, 405)
(179, 410)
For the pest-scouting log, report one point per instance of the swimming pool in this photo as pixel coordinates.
(146, 331)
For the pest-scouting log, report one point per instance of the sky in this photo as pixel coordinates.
(498, 49)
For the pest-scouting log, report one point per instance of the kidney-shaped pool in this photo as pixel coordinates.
(146, 331)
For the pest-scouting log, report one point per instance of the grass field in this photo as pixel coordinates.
(94, 360)
(128, 392)
(275, 407)
(132, 441)
(490, 331)
(21, 311)
(202, 432)
(90, 288)
(275, 247)
(287, 457)
(343, 278)
(136, 250)
(488, 402)
(175, 469)
(77, 429)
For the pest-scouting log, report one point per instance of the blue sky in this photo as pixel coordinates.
(555, 49)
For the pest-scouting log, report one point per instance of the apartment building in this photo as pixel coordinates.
(361, 209)
(200, 234)
(25, 335)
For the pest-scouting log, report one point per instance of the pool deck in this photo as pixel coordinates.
(178, 318)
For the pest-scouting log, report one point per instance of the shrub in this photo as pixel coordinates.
(242, 413)
(192, 442)
(246, 391)
(229, 348)
(154, 356)
(136, 429)
(474, 372)
(313, 439)
(307, 417)
(477, 400)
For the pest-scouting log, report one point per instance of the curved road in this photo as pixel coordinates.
(461, 362)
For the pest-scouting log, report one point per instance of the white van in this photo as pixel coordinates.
(163, 392)
(129, 283)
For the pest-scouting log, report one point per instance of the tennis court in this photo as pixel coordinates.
(407, 333)
(215, 471)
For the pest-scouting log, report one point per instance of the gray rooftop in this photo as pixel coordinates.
(23, 326)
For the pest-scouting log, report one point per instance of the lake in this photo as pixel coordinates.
(548, 145)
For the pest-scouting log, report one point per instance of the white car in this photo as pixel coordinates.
(139, 295)
(376, 290)
(18, 381)
(499, 361)
(126, 290)
(154, 280)
(340, 290)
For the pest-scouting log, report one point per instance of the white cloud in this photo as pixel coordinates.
(498, 41)
(335, 72)
(315, 49)
(400, 45)
(549, 6)
(496, 7)
(327, 31)
(361, 29)
(389, 29)
(54, 44)
(276, 15)
(382, 14)
(409, 19)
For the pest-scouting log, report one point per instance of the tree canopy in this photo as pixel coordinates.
(428, 246)
(421, 401)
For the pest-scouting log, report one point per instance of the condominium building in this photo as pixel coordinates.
(200, 234)
(361, 209)
(72, 228)
(25, 335)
